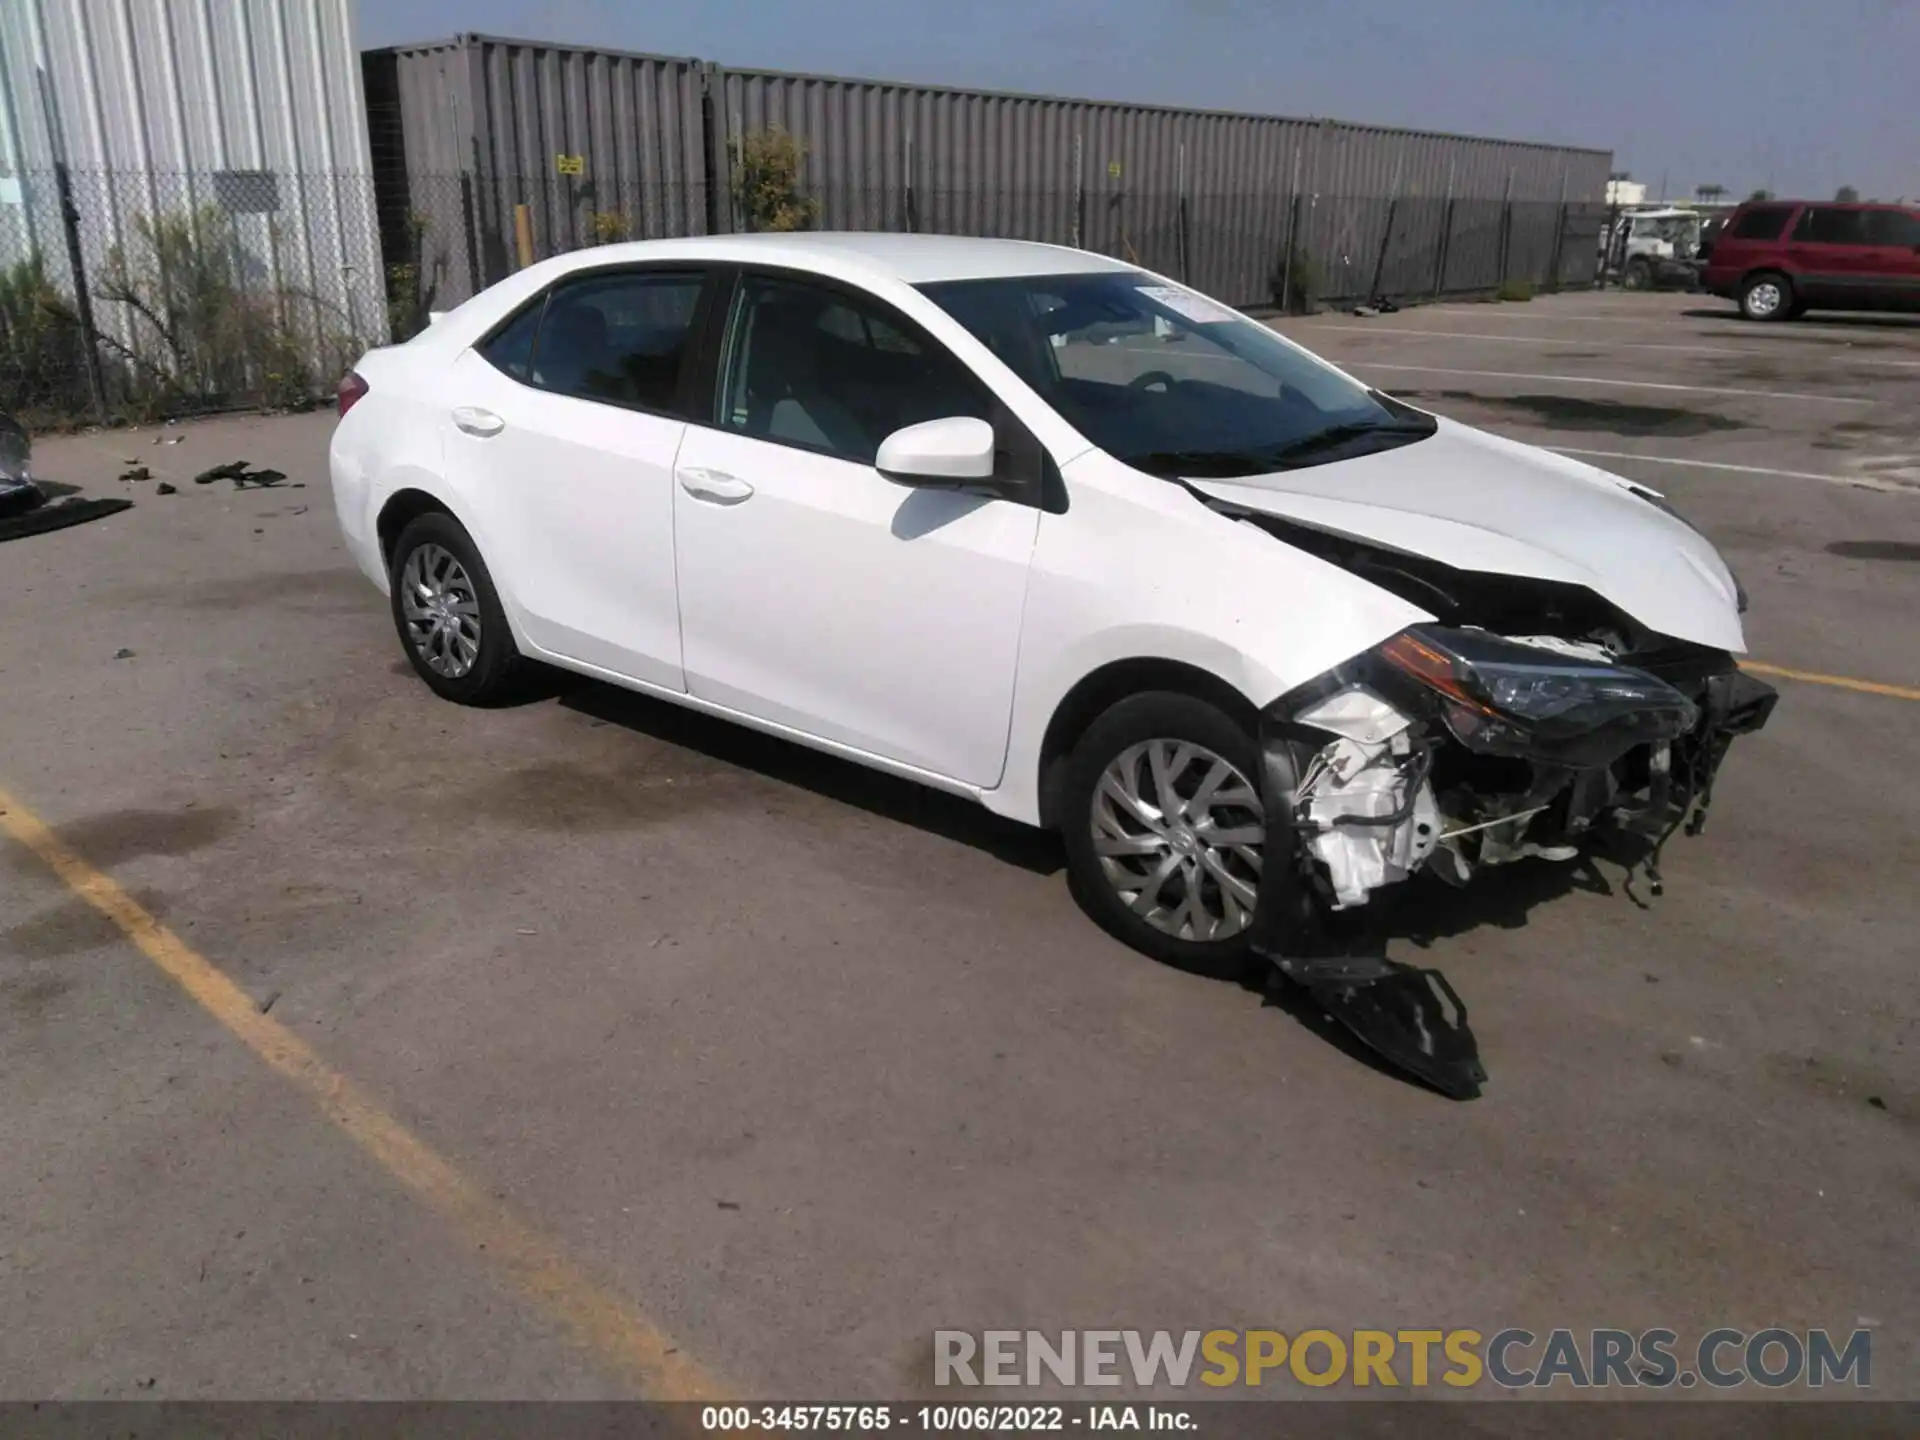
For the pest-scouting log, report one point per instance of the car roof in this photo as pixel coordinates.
(913, 259)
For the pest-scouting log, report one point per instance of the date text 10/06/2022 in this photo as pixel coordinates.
(946, 1419)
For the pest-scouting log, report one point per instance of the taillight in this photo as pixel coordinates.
(352, 387)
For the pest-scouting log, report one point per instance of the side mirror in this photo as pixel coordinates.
(949, 454)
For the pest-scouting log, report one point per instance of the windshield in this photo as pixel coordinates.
(1169, 382)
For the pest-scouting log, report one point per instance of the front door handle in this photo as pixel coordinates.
(475, 421)
(715, 486)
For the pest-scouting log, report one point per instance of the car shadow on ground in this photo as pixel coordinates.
(952, 817)
(1862, 319)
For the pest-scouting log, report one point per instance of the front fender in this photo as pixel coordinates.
(1141, 569)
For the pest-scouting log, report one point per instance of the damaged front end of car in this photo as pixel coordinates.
(1451, 748)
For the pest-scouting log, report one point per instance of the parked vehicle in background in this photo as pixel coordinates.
(1644, 249)
(1781, 258)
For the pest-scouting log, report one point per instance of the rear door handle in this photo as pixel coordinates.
(475, 421)
(715, 486)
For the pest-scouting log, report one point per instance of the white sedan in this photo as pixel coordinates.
(1040, 528)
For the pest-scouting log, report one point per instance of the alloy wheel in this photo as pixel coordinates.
(1178, 832)
(1763, 299)
(441, 610)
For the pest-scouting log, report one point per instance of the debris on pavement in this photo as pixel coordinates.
(136, 472)
(243, 475)
(163, 488)
(123, 654)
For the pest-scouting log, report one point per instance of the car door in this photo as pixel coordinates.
(1893, 242)
(815, 593)
(561, 434)
(1827, 251)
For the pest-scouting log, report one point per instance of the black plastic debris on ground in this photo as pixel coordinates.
(243, 475)
(163, 488)
(24, 507)
(58, 516)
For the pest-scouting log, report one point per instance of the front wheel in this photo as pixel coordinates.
(1767, 297)
(1639, 275)
(1164, 830)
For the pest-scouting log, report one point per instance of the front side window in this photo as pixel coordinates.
(1761, 222)
(1170, 382)
(809, 366)
(621, 338)
(1824, 225)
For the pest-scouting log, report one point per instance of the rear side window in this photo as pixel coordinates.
(620, 338)
(1893, 227)
(511, 347)
(1762, 222)
(1824, 225)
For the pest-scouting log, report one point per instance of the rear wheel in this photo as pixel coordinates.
(1767, 297)
(1164, 830)
(449, 616)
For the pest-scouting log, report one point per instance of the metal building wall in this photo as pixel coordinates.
(1116, 177)
(466, 129)
(251, 109)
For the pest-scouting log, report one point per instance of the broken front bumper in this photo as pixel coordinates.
(1460, 751)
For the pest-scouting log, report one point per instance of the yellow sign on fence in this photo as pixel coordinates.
(570, 164)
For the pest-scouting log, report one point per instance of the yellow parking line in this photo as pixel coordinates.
(1842, 682)
(628, 1343)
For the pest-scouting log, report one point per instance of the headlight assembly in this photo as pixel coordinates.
(1504, 698)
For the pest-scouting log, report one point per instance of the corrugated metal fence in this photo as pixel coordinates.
(601, 146)
(192, 182)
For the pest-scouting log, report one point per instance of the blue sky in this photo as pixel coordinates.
(1801, 95)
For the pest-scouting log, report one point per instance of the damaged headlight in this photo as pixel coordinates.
(1501, 697)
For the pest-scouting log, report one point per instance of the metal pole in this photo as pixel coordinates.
(82, 297)
(912, 203)
(1559, 235)
(1506, 227)
(1446, 235)
(1386, 238)
(1293, 234)
(1180, 186)
(1079, 192)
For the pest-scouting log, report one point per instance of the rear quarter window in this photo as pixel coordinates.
(1762, 222)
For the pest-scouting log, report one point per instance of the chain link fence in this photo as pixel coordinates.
(133, 296)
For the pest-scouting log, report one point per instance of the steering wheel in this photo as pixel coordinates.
(1152, 378)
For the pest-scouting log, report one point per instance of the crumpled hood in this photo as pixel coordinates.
(1476, 501)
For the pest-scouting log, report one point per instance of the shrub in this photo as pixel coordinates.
(182, 278)
(766, 181)
(1296, 290)
(610, 227)
(42, 354)
(1515, 290)
(410, 293)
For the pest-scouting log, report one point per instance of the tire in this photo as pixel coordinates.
(1767, 296)
(1211, 939)
(1638, 275)
(482, 666)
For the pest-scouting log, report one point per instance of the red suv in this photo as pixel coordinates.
(1781, 258)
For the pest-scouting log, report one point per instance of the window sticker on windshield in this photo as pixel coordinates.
(1196, 308)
